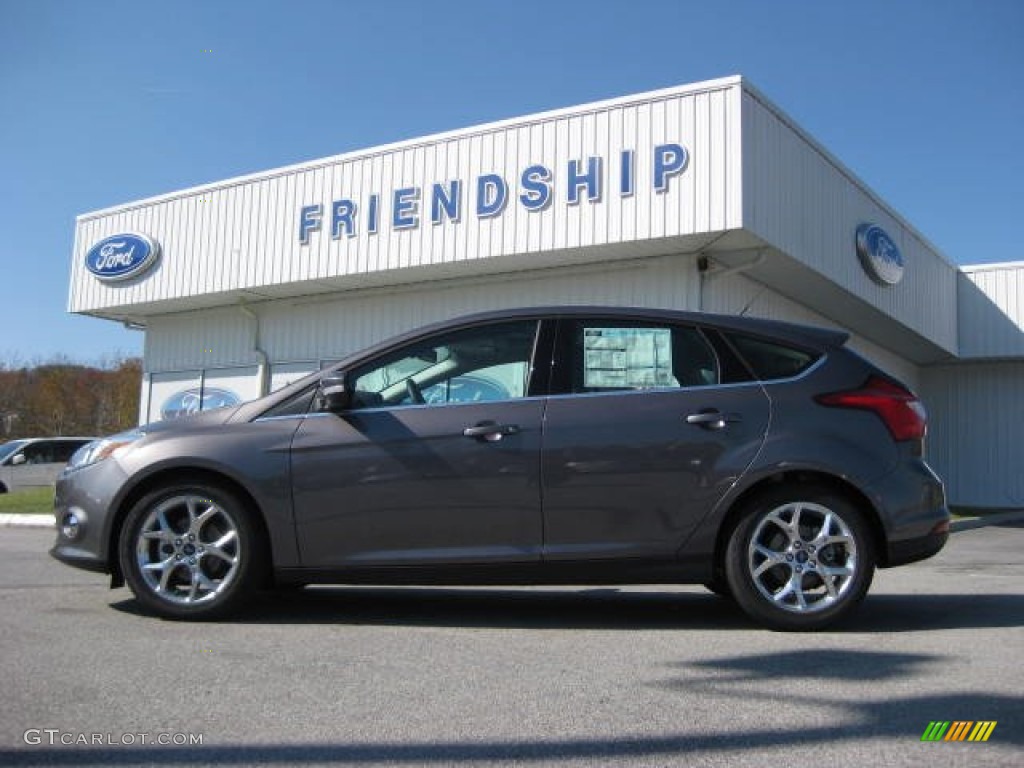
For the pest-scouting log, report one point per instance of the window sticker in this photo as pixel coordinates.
(627, 358)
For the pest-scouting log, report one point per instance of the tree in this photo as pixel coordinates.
(61, 397)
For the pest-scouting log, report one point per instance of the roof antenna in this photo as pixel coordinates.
(755, 297)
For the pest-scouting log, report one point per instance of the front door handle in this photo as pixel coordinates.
(490, 431)
(710, 418)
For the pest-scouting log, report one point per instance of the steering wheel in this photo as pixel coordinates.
(413, 389)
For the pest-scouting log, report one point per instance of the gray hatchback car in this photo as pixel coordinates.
(566, 445)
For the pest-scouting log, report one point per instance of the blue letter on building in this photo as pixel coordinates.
(309, 221)
(491, 195)
(669, 159)
(447, 200)
(591, 179)
(627, 180)
(343, 213)
(404, 212)
(372, 214)
(536, 180)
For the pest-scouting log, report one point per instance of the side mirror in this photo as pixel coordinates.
(334, 394)
(18, 460)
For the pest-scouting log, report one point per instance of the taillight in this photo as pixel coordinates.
(901, 412)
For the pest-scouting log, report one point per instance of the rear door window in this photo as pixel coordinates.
(39, 453)
(622, 355)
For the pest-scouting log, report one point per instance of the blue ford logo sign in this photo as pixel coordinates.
(122, 256)
(879, 255)
(191, 401)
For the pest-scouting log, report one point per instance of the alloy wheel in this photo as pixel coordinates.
(802, 557)
(188, 550)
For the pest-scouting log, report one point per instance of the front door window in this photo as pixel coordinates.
(485, 364)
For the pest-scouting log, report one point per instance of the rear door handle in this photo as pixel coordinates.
(709, 418)
(490, 432)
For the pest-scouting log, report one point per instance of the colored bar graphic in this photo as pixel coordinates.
(982, 730)
(959, 730)
(935, 731)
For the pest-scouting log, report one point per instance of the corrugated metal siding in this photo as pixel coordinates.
(803, 202)
(195, 340)
(991, 302)
(976, 431)
(332, 326)
(243, 234)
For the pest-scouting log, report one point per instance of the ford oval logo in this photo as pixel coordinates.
(879, 255)
(121, 256)
(188, 402)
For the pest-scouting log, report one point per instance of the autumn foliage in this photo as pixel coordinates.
(63, 398)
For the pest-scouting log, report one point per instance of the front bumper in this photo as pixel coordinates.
(89, 494)
(78, 558)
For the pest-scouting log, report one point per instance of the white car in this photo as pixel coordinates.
(36, 461)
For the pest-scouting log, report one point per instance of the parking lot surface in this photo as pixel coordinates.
(552, 676)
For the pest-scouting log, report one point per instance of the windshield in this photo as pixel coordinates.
(11, 447)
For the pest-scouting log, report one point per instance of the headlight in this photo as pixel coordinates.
(98, 450)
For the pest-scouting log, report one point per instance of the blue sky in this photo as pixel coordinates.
(108, 101)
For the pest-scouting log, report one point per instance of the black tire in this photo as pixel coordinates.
(191, 552)
(719, 585)
(800, 558)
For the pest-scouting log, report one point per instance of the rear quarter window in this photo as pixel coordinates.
(771, 359)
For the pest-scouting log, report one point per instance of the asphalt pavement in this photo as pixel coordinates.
(481, 676)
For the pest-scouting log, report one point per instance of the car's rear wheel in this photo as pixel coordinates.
(190, 552)
(800, 558)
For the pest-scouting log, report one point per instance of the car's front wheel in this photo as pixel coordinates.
(190, 551)
(800, 558)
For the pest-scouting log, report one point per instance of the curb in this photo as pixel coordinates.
(11, 520)
(969, 523)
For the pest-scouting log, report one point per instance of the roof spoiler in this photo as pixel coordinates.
(826, 336)
(811, 335)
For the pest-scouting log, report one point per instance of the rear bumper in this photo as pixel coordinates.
(912, 550)
(912, 503)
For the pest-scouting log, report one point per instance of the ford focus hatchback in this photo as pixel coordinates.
(573, 445)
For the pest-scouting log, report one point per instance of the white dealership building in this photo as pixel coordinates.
(702, 197)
